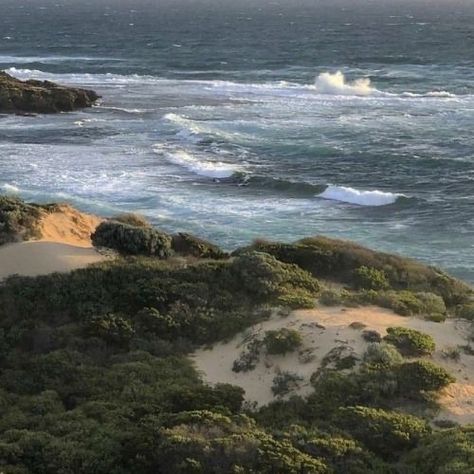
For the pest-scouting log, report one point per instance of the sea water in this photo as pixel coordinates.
(236, 120)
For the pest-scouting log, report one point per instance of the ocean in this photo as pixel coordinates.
(236, 120)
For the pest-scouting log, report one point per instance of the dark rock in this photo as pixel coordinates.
(26, 97)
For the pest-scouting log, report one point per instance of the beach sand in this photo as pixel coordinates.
(322, 330)
(64, 245)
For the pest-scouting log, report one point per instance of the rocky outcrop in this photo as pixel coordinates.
(44, 97)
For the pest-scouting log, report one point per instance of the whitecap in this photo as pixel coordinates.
(196, 165)
(358, 197)
(336, 84)
(9, 188)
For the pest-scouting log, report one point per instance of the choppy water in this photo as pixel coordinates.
(272, 119)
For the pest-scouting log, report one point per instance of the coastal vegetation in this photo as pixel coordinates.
(95, 374)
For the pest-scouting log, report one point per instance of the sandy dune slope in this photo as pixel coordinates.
(39, 258)
(323, 329)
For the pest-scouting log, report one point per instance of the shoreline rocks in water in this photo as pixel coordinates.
(26, 97)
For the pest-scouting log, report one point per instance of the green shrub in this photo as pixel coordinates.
(382, 355)
(369, 335)
(130, 218)
(370, 278)
(338, 259)
(187, 244)
(465, 311)
(332, 297)
(248, 358)
(113, 328)
(285, 382)
(282, 341)
(387, 433)
(422, 375)
(444, 452)
(410, 342)
(132, 240)
(18, 220)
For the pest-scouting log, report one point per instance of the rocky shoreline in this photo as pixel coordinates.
(43, 97)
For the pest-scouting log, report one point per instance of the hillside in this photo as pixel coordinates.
(358, 361)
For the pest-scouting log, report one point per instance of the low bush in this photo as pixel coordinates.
(410, 342)
(369, 335)
(130, 218)
(18, 220)
(466, 311)
(285, 383)
(422, 375)
(382, 355)
(282, 341)
(447, 451)
(369, 278)
(386, 433)
(338, 260)
(187, 244)
(132, 240)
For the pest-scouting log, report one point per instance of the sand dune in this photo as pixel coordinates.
(39, 258)
(322, 330)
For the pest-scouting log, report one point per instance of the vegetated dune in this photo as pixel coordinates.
(63, 244)
(338, 329)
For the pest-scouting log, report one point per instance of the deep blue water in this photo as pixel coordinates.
(255, 119)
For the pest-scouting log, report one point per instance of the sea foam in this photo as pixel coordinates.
(201, 167)
(9, 188)
(335, 84)
(360, 198)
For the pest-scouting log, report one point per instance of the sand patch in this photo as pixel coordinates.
(324, 329)
(68, 226)
(40, 258)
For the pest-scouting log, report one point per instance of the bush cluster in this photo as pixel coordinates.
(132, 240)
(282, 341)
(410, 342)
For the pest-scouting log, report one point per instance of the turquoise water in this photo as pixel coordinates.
(257, 119)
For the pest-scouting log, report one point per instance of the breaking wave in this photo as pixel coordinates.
(198, 166)
(358, 197)
(336, 84)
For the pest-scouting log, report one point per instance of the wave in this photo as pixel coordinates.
(10, 59)
(326, 83)
(336, 84)
(9, 188)
(358, 197)
(199, 166)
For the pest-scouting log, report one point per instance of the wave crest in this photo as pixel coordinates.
(335, 84)
(201, 167)
(358, 197)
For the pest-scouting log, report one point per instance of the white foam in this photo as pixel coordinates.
(9, 188)
(335, 84)
(361, 198)
(10, 59)
(201, 167)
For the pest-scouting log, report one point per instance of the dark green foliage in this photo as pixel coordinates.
(387, 433)
(248, 359)
(285, 382)
(368, 278)
(132, 240)
(410, 342)
(282, 341)
(382, 356)
(18, 220)
(130, 218)
(444, 452)
(187, 244)
(207, 443)
(370, 335)
(466, 311)
(422, 375)
(342, 453)
(338, 259)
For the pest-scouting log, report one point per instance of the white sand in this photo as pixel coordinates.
(39, 258)
(215, 364)
(64, 245)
